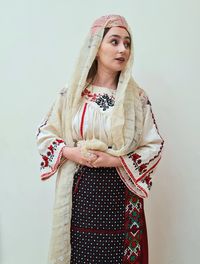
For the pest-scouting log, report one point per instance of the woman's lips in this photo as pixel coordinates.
(120, 59)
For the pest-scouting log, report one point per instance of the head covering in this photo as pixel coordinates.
(127, 103)
(108, 21)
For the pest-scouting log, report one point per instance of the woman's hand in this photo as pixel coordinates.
(74, 154)
(104, 160)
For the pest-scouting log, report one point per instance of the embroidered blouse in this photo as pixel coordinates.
(94, 115)
(93, 120)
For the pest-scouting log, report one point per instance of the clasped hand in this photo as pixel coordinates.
(94, 159)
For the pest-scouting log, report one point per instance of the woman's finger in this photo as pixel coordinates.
(95, 152)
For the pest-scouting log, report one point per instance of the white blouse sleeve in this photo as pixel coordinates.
(49, 140)
(139, 166)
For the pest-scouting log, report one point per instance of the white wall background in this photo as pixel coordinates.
(39, 41)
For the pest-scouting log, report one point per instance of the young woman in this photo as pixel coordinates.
(102, 139)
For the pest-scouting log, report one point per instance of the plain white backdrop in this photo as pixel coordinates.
(40, 40)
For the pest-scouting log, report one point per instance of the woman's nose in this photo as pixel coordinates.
(121, 47)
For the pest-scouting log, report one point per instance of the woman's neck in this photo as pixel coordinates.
(108, 80)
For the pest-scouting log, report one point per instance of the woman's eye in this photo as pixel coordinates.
(127, 45)
(114, 42)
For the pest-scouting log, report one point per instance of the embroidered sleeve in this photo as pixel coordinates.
(139, 165)
(49, 140)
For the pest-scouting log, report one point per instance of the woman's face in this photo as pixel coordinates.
(114, 50)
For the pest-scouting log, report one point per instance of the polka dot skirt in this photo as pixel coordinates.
(98, 217)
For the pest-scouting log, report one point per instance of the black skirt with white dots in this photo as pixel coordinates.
(102, 227)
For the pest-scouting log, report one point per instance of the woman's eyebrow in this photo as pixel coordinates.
(118, 36)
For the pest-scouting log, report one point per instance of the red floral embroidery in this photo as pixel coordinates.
(142, 168)
(48, 158)
(45, 162)
(135, 156)
(89, 94)
(51, 150)
(148, 181)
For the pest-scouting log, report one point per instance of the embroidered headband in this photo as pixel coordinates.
(109, 21)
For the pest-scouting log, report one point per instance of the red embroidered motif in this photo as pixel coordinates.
(134, 220)
(48, 158)
(135, 156)
(142, 168)
(51, 149)
(89, 94)
(45, 162)
(148, 181)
